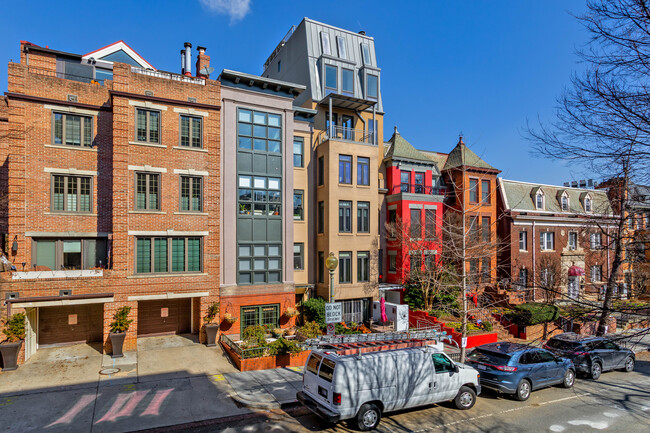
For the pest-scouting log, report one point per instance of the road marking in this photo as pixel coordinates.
(6, 401)
(123, 405)
(598, 425)
(156, 402)
(74, 410)
(556, 428)
(502, 412)
(218, 377)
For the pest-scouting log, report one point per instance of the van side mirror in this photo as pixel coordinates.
(456, 369)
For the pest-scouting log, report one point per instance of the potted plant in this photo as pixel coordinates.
(229, 318)
(119, 326)
(211, 328)
(290, 312)
(14, 330)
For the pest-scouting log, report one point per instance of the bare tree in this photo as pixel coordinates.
(603, 120)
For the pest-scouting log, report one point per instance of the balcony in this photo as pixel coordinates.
(417, 189)
(168, 75)
(342, 133)
(66, 76)
(48, 274)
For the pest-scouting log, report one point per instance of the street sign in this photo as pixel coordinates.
(333, 312)
(463, 342)
(331, 329)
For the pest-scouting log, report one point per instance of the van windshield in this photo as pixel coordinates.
(312, 364)
(327, 369)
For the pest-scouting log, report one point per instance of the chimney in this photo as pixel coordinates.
(362, 32)
(202, 61)
(188, 59)
(182, 61)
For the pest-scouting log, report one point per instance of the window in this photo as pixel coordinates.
(354, 310)
(573, 241)
(168, 254)
(363, 217)
(260, 196)
(297, 204)
(474, 230)
(588, 204)
(416, 224)
(147, 128)
(325, 43)
(345, 267)
(405, 181)
(347, 81)
(539, 201)
(392, 263)
(191, 193)
(523, 277)
(147, 191)
(546, 241)
(373, 86)
(596, 273)
(473, 271)
(345, 169)
(485, 270)
(485, 191)
(416, 261)
(321, 217)
(298, 151)
(259, 131)
(647, 220)
(259, 263)
(371, 131)
(321, 267)
(441, 363)
(429, 224)
(473, 190)
(298, 259)
(71, 194)
(485, 229)
(191, 131)
(565, 202)
(365, 53)
(419, 183)
(340, 43)
(630, 220)
(363, 266)
(263, 315)
(321, 170)
(595, 241)
(523, 241)
(330, 78)
(392, 219)
(69, 254)
(363, 171)
(279, 65)
(345, 216)
(71, 130)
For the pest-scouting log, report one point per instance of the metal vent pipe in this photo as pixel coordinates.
(188, 59)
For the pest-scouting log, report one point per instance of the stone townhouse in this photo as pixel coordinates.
(112, 171)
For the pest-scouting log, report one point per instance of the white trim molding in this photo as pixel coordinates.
(191, 111)
(66, 109)
(148, 168)
(169, 232)
(168, 295)
(191, 172)
(62, 301)
(147, 104)
(69, 171)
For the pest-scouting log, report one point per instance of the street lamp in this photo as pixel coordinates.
(331, 263)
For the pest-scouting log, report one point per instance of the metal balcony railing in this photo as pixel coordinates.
(168, 75)
(65, 76)
(347, 134)
(417, 189)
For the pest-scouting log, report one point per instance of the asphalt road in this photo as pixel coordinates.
(617, 402)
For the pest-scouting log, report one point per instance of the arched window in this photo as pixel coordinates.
(539, 201)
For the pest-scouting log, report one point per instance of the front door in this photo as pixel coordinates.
(446, 381)
(574, 287)
(347, 125)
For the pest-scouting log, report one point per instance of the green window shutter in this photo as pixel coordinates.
(178, 254)
(160, 255)
(194, 254)
(143, 257)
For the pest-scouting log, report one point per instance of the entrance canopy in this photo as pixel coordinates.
(576, 271)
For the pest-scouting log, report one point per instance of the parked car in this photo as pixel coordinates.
(591, 355)
(364, 387)
(513, 368)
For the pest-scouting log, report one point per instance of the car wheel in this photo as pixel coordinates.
(465, 398)
(523, 390)
(368, 417)
(629, 364)
(595, 370)
(569, 378)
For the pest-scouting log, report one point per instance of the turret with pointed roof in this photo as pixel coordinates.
(462, 155)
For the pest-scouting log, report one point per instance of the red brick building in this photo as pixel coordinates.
(112, 177)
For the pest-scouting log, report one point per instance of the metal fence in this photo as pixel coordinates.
(244, 353)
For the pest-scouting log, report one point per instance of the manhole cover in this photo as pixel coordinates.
(108, 371)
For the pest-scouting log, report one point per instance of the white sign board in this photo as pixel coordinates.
(333, 312)
(331, 329)
(463, 342)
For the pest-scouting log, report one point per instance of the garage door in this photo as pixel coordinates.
(70, 324)
(169, 316)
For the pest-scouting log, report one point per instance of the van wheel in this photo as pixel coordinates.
(465, 399)
(523, 390)
(368, 417)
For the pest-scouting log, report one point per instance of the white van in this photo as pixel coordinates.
(365, 386)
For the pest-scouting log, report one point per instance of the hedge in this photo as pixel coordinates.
(534, 313)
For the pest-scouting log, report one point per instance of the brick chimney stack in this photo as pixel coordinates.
(202, 61)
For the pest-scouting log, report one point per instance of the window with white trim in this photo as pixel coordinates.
(523, 241)
(596, 273)
(547, 241)
(596, 241)
(573, 241)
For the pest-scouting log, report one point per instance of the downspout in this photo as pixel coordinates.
(330, 133)
(374, 124)
(534, 268)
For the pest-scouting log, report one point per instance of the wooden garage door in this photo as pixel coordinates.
(169, 316)
(70, 324)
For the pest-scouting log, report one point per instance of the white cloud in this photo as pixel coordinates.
(235, 9)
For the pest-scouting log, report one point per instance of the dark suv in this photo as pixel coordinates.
(591, 355)
(517, 369)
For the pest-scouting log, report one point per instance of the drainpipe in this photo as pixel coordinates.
(534, 268)
(374, 124)
(330, 113)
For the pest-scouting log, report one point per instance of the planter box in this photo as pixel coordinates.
(267, 362)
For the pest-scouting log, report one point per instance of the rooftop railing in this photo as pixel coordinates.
(343, 133)
(279, 46)
(65, 76)
(167, 75)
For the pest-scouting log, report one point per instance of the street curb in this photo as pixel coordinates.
(264, 405)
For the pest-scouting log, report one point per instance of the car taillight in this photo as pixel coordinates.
(580, 353)
(505, 368)
(336, 398)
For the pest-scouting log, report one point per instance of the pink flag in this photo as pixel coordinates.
(382, 303)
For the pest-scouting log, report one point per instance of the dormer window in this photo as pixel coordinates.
(365, 53)
(588, 204)
(325, 43)
(564, 201)
(372, 86)
(340, 43)
(539, 200)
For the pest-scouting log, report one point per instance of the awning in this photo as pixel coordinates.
(346, 102)
(576, 271)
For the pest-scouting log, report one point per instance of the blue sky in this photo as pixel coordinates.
(477, 67)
